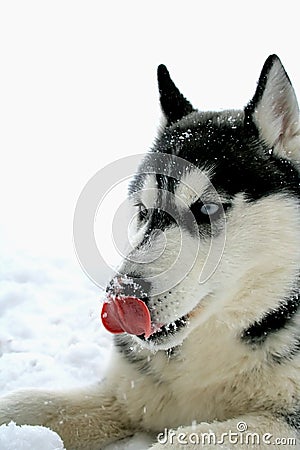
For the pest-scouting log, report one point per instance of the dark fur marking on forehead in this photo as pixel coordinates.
(167, 183)
(241, 162)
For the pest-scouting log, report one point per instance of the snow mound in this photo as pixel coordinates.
(27, 437)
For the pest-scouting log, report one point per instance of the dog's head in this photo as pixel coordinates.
(216, 212)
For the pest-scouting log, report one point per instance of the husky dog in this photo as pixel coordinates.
(211, 362)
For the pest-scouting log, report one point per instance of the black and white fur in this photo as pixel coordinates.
(229, 350)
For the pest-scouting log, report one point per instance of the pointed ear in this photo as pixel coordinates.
(173, 103)
(275, 112)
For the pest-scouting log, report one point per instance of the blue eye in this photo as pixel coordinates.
(204, 213)
(209, 209)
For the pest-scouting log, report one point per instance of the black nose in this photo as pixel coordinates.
(129, 286)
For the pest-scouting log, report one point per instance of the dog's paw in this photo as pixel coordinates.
(31, 407)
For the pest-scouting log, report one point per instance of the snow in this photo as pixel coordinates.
(50, 336)
(26, 437)
(49, 325)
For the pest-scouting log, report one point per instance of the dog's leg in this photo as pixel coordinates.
(245, 432)
(85, 419)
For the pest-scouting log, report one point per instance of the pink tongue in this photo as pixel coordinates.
(126, 314)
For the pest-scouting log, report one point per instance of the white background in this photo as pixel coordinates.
(77, 91)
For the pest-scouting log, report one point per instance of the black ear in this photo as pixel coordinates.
(275, 112)
(173, 103)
